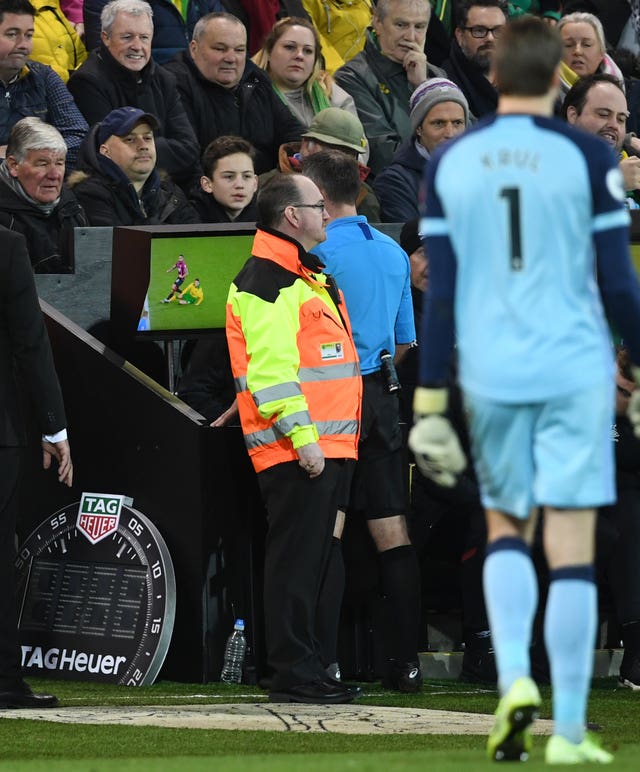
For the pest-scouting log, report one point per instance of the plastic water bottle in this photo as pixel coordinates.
(234, 654)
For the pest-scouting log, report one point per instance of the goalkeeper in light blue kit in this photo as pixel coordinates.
(521, 213)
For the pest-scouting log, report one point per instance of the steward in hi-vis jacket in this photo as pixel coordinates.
(299, 389)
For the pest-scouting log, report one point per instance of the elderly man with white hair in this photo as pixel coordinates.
(382, 77)
(33, 199)
(122, 73)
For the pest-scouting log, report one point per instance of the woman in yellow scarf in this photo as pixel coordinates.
(291, 57)
(584, 50)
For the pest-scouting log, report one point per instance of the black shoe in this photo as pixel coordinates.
(334, 675)
(265, 682)
(354, 690)
(478, 660)
(21, 696)
(315, 693)
(629, 676)
(405, 677)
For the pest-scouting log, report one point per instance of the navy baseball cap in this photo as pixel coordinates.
(122, 120)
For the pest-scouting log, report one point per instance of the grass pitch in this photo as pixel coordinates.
(35, 746)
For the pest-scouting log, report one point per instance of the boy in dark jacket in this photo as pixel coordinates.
(227, 190)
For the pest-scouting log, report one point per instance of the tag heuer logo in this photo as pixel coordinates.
(99, 515)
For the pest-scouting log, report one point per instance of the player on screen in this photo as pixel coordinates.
(517, 211)
(192, 295)
(181, 267)
(144, 324)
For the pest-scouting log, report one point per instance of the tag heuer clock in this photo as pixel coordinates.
(96, 594)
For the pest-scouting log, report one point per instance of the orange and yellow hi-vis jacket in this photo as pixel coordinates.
(292, 355)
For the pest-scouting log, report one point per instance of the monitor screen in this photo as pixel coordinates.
(173, 281)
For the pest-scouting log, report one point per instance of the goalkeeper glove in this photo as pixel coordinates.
(433, 440)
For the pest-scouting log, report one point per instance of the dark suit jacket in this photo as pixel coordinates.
(24, 347)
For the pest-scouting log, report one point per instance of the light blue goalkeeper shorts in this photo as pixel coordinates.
(558, 453)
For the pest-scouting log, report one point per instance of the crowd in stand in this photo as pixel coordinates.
(134, 112)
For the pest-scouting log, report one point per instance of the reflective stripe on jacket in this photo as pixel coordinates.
(292, 355)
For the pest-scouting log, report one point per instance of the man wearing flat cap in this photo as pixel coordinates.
(332, 129)
(118, 183)
(439, 112)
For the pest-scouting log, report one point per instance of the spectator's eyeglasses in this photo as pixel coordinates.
(320, 205)
(482, 32)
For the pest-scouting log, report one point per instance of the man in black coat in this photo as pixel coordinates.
(224, 94)
(25, 349)
(33, 199)
(119, 183)
(121, 72)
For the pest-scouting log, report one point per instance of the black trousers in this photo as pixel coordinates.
(622, 523)
(9, 652)
(301, 513)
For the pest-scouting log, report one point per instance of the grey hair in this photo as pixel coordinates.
(34, 134)
(582, 17)
(382, 8)
(134, 7)
(203, 22)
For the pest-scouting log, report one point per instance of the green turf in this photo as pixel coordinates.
(31, 746)
(214, 260)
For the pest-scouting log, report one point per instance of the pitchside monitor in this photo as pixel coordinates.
(144, 276)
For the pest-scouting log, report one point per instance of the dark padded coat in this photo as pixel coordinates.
(49, 237)
(102, 84)
(109, 198)
(251, 110)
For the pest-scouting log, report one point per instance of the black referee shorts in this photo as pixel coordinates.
(379, 486)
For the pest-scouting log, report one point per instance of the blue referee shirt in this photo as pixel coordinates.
(372, 271)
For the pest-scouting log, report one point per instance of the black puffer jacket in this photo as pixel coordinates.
(102, 84)
(251, 110)
(49, 237)
(109, 198)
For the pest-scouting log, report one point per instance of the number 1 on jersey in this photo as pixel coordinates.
(512, 196)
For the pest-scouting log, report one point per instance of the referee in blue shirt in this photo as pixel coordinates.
(373, 272)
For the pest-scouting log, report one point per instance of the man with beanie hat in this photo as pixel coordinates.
(332, 129)
(439, 111)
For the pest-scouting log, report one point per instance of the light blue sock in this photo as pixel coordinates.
(511, 597)
(569, 634)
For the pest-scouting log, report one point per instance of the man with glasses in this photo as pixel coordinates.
(298, 390)
(480, 23)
